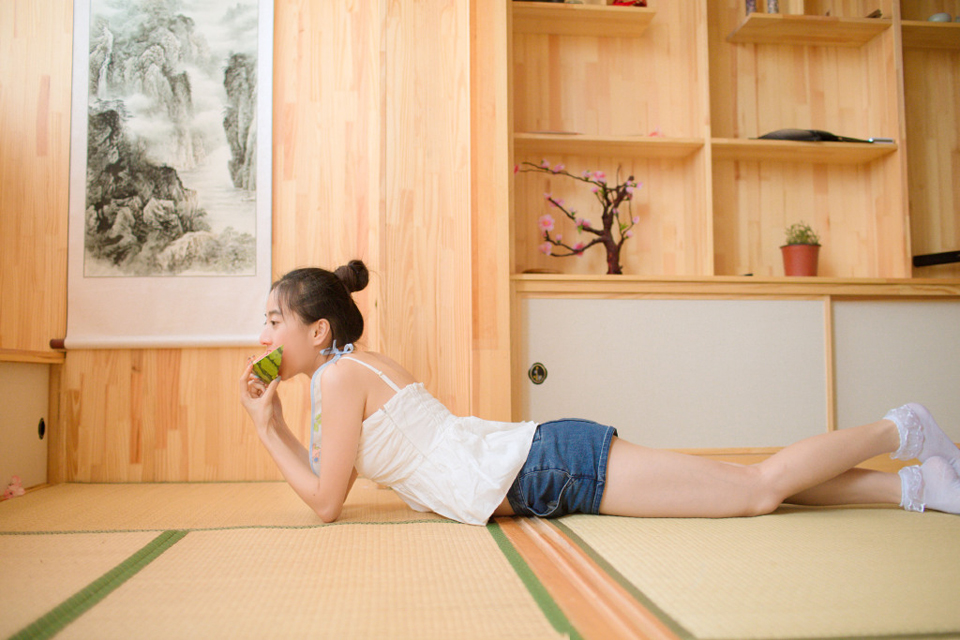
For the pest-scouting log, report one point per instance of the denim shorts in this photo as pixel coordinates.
(565, 471)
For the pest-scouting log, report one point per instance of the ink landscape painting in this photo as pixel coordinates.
(171, 171)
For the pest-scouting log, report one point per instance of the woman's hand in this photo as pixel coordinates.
(260, 400)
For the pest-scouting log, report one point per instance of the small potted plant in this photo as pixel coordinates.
(801, 250)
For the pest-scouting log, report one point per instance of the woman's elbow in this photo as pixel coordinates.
(328, 512)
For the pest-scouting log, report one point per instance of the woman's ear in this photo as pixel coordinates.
(320, 332)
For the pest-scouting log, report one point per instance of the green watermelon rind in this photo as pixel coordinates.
(268, 367)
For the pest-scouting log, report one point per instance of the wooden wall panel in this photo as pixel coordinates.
(372, 159)
(164, 415)
(425, 296)
(327, 136)
(490, 206)
(35, 72)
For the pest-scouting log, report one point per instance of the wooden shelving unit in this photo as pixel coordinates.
(590, 83)
(714, 202)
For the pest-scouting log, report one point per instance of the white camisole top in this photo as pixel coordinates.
(460, 468)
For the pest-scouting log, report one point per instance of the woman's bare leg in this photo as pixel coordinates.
(855, 486)
(651, 482)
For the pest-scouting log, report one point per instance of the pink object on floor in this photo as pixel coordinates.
(14, 489)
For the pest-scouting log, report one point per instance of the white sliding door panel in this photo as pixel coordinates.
(679, 373)
(24, 389)
(889, 353)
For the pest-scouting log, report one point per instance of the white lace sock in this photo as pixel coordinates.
(935, 485)
(920, 436)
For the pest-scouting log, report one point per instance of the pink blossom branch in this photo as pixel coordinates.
(611, 200)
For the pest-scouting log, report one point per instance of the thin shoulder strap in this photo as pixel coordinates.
(376, 371)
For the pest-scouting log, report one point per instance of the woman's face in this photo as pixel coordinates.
(284, 328)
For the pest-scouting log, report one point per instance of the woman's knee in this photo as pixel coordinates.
(762, 496)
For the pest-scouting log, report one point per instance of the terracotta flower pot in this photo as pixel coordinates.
(800, 259)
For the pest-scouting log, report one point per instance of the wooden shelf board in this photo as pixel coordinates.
(777, 28)
(582, 145)
(626, 286)
(31, 357)
(580, 19)
(919, 34)
(805, 152)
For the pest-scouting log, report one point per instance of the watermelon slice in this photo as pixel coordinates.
(267, 367)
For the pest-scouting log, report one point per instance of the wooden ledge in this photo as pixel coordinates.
(778, 28)
(931, 35)
(740, 287)
(32, 357)
(580, 20)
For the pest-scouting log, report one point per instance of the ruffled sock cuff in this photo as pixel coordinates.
(911, 489)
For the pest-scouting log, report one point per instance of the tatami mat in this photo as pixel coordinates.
(161, 506)
(40, 571)
(415, 581)
(799, 573)
(249, 560)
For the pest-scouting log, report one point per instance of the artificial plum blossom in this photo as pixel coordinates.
(614, 230)
(546, 222)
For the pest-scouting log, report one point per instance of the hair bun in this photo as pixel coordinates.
(353, 275)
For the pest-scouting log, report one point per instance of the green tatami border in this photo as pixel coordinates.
(55, 620)
(551, 610)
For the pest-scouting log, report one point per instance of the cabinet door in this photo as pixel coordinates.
(892, 352)
(23, 403)
(679, 373)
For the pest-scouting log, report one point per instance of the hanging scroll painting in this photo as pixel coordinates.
(170, 182)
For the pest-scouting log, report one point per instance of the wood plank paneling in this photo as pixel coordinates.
(35, 72)
(362, 168)
(327, 155)
(164, 415)
(426, 296)
(490, 209)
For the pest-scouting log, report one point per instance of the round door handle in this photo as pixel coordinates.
(537, 373)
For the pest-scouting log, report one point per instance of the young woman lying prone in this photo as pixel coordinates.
(370, 416)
